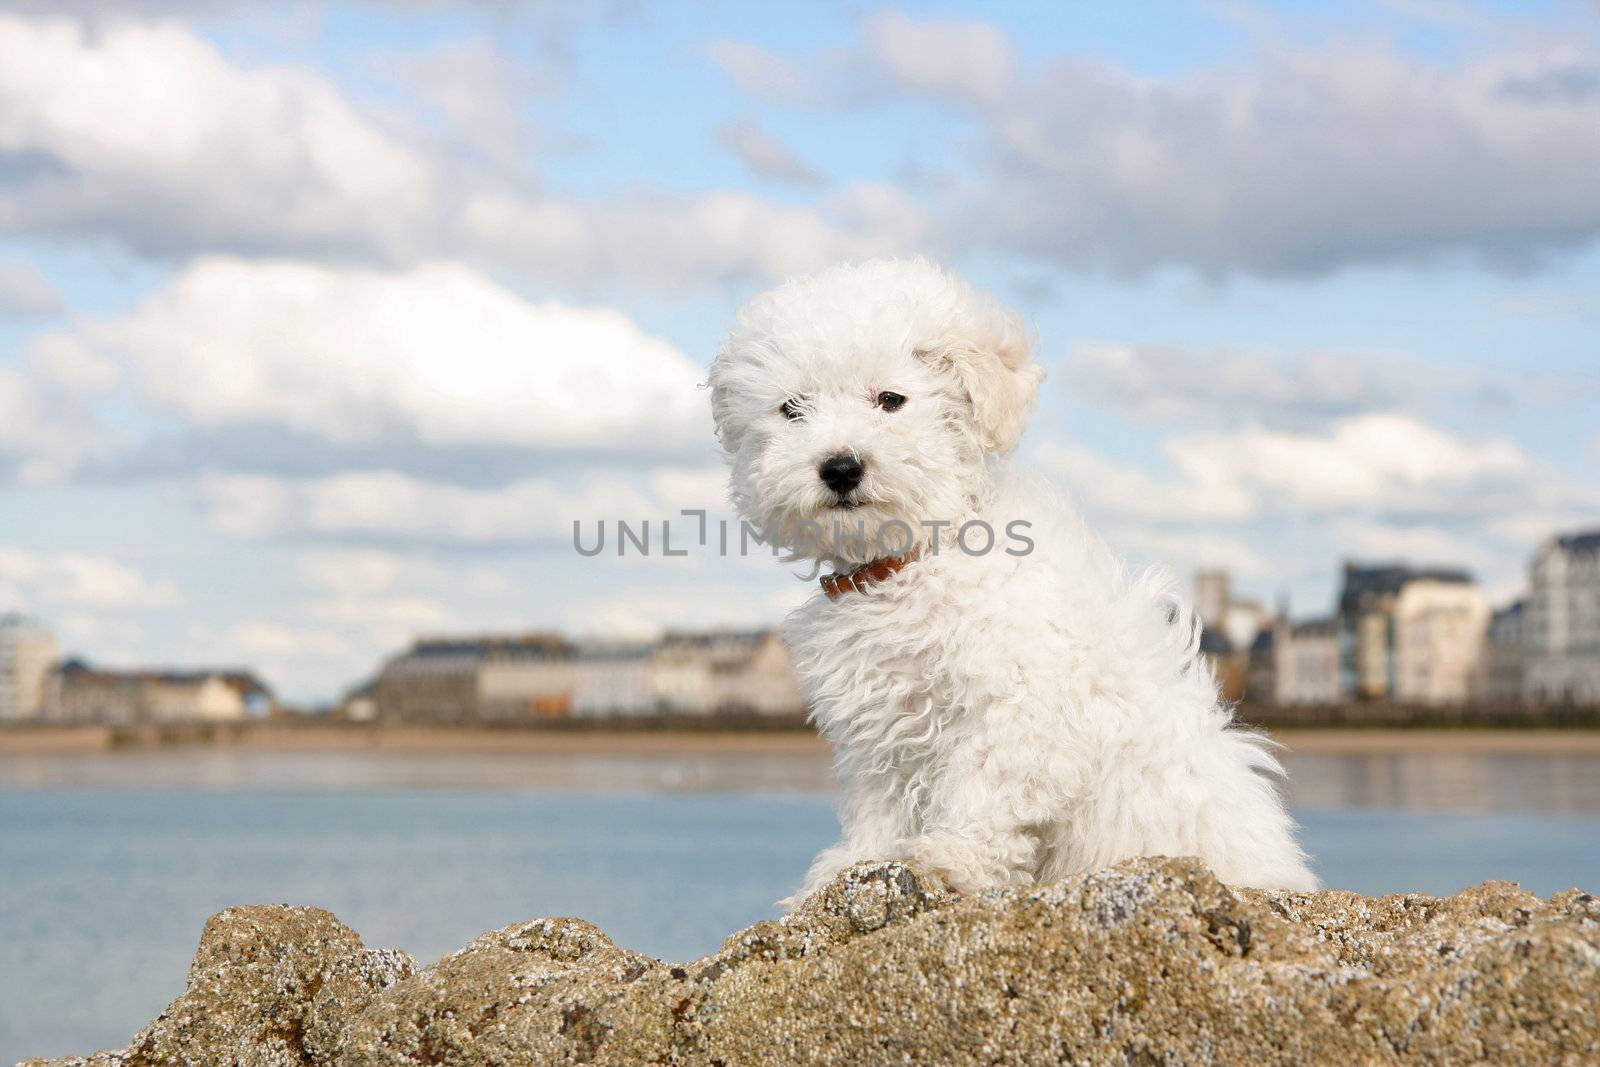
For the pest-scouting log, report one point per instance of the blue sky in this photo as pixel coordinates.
(320, 323)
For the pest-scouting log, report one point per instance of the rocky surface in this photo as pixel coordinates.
(1151, 962)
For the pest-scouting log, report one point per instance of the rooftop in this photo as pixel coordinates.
(245, 682)
(1366, 580)
(1585, 542)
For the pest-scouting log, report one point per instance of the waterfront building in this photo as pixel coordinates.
(1563, 621)
(613, 679)
(1503, 670)
(1439, 629)
(1238, 618)
(725, 672)
(1228, 665)
(1211, 596)
(544, 676)
(79, 693)
(27, 652)
(1367, 633)
(476, 679)
(532, 677)
(1306, 663)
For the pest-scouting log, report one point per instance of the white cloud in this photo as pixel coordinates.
(47, 424)
(762, 71)
(270, 639)
(1416, 543)
(48, 581)
(676, 243)
(438, 355)
(410, 614)
(1300, 161)
(1109, 488)
(965, 60)
(477, 92)
(1390, 462)
(393, 506)
(1169, 382)
(1289, 161)
(1182, 550)
(1394, 464)
(155, 9)
(349, 572)
(1238, 385)
(646, 612)
(767, 157)
(24, 292)
(145, 133)
(1278, 507)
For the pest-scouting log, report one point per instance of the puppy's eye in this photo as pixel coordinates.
(789, 410)
(890, 401)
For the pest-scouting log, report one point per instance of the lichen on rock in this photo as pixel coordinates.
(1152, 961)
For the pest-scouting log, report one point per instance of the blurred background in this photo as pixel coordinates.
(323, 325)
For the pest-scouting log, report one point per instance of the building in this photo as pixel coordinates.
(359, 704)
(476, 679)
(725, 672)
(1563, 621)
(80, 693)
(751, 675)
(1261, 667)
(1439, 629)
(433, 681)
(1502, 673)
(1241, 620)
(1366, 624)
(543, 676)
(1228, 665)
(1211, 596)
(531, 677)
(1306, 663)
(27, 652)
(613, 680)
(1235, 638)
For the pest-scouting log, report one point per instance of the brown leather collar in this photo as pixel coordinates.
(837, 585)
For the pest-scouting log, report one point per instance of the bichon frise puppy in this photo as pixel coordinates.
(1006, 705)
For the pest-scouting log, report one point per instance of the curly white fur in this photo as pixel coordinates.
(1001, 719)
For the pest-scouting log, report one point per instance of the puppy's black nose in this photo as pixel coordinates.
(841, 473)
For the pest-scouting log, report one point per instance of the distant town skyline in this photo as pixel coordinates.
(1413, 636)
(318, 330)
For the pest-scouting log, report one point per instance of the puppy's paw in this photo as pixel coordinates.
(953, 867)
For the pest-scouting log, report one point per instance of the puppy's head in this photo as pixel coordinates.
(866, 395)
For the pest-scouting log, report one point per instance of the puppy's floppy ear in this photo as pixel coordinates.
(999, 377)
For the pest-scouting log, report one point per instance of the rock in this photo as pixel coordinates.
(1150, 962)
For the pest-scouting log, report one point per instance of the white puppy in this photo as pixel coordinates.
(1000, 717)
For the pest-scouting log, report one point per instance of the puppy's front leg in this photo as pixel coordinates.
(975, 856)
(983, 830)
(872, 821)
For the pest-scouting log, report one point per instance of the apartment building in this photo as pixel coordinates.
(1439, 631)
(1306, 663)
(27, 652)
(80, 693)
(1563, 621)
(1368, 635)
(545, 676)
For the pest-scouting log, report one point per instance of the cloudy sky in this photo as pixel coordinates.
(320, 323)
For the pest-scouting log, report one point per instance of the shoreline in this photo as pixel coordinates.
(18, 740)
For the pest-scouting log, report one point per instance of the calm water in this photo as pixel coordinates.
(107, 871)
